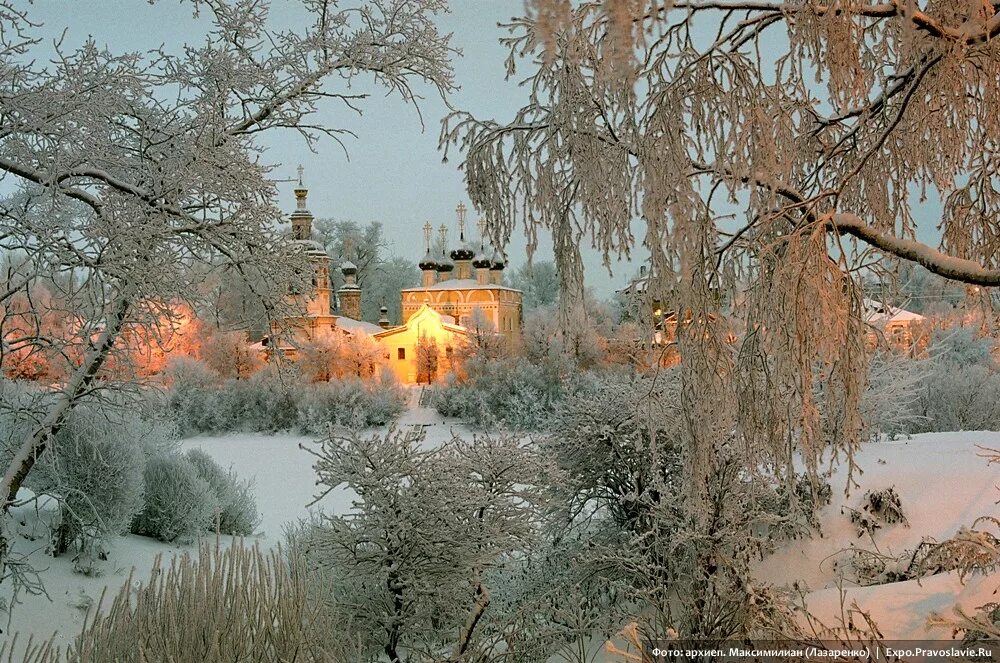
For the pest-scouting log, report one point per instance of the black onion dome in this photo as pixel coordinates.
(427, 262)
(463, 252)
(445, 265)
(481, 261)
(498, 262)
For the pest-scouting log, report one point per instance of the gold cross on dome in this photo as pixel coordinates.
(427, 236)
(460, 211)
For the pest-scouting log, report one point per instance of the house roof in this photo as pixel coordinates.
(875, 313)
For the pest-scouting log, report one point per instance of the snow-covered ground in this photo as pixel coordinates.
(942, 481)
(284, 483)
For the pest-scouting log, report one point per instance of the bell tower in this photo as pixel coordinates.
(350, 292)
(302, 218)
(317, 301)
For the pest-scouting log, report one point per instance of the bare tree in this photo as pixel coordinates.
(132, 167)
(538, 283)
(413, 566)
(428, 355)
(747, 141)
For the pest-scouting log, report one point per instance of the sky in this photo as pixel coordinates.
(393, 171)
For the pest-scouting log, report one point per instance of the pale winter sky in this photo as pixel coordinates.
(394, 173)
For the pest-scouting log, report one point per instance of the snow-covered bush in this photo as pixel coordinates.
(973, 550)
(962, 390)
(622, 472)
(553, 604)
(384, 401)
(237, 509)
(337, 357)
(200, 401)
(279, 400)
(962, 346)
(349, 402)
(878, 508)
(615, 438)
(189, 396)
(178, 504)
(895, 383)
(265, 403)
(870, 567)
(94, 467)
(580, 342)
(514, 393)
(230, 354)
(409, 567)
(966, 398)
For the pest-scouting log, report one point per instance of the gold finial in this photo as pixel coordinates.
(481, 224)
(443, 230)
(460, 211)
(301, 170)
(348, 247)
(428, 229)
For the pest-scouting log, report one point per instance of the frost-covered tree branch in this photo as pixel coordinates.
(137, 175)
(938, 262)
(652, 124)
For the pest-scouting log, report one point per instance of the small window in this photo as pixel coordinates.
(401, 353)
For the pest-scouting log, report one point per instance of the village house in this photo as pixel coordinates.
(899, 329)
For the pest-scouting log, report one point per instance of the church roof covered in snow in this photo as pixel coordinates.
(355, 326)
(461, 284)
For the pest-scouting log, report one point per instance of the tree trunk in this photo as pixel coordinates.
(478, 608)
(35, 443)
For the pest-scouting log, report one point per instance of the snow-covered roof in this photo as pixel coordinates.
(878, 313)
(311, 246)
(637, 286)
(352, 326)
(461, 284)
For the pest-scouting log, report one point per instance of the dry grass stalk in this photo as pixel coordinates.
(232, 604)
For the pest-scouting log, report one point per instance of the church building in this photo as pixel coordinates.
(460, 288)
(465, 280)
(317, 320)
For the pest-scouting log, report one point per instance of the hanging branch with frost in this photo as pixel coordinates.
(820, 126)
(131, 168)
